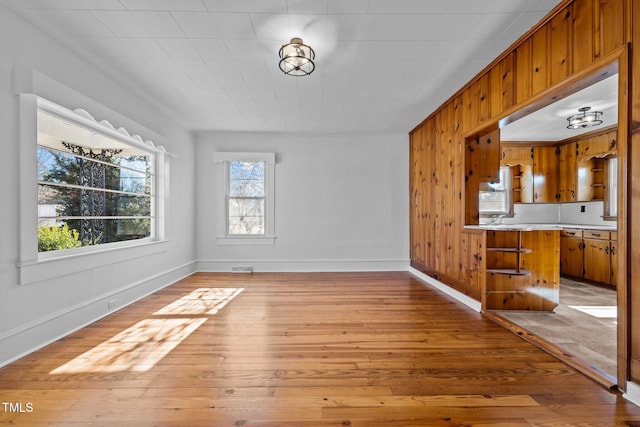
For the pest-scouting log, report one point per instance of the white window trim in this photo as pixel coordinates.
(34, 266)
(221, 160)
(507, 193)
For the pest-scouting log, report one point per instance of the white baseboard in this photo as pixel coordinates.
(633, 393)
(21, 341)
(283, 266)
(459, 296)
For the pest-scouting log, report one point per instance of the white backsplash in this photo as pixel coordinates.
(570, 213)
(559, 213)
(536, 213)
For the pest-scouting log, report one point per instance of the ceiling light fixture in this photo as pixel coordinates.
(584, 119)
(296, 58)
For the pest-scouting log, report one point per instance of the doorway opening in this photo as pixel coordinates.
(584, 326)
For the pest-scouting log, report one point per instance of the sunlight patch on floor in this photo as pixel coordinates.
(599, 311)
(142, 346)
(135, 349)
(201, 301)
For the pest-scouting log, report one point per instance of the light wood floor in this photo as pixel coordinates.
(334, 349)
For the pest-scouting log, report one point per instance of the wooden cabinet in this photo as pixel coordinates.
(613, 256)
(582, 167)
(520, 160)
(597, 263)
(567, 173)
(521, 184)
(600, 146)
(516, 155)
(489, 156)
(545, 175)
(571, 258)
(483, 157)
(589, 254)
(481, 164)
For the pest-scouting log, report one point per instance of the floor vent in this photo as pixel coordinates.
(242, 269)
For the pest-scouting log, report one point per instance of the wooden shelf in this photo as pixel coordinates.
(510, 250)
(517, 249)
(509, 271)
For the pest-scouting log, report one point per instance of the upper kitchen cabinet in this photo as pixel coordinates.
(592, 164)
(512, 155)
(601, 145)
(545, 175)
(482, 165)
(483, 157)
(520, 160)
(567, 173)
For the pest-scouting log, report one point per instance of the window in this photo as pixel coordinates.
(246, 198)
(90, 194)
(94, 187)
(495, 196)
(248, 204)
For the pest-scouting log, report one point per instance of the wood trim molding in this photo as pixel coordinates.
(582, 366)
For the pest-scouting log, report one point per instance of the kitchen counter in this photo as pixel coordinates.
(529, 227)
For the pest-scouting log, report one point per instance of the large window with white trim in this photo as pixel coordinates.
(94, 187)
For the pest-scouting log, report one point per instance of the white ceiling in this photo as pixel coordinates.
(382, 65)
(550, 123)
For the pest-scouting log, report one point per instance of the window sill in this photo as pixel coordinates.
(246, 240)
(54, 265)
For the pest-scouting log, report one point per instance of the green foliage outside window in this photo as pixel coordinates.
(56, 238)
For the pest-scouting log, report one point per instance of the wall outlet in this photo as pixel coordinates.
(242, 269)
(111, 304)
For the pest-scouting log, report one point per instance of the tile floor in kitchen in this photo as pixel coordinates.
(584, 324)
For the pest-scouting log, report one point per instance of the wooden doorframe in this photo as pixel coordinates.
(616, 62)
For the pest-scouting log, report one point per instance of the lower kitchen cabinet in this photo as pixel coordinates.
(613, 254)
(589, 254)
(571, 257)
(597, 263)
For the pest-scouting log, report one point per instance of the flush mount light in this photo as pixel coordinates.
(296, 58)
(584, 119)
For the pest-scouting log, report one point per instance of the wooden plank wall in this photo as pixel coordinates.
(577, 36)
(631, 175)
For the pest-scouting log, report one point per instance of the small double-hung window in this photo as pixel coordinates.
(247, 211)
(495, 197)
(246, 198)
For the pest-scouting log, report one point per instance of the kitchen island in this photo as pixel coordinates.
(522, 265)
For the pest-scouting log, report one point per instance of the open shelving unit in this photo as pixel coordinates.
(518, 250)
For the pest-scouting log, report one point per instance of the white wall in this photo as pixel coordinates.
(33, 314)
(341, 203)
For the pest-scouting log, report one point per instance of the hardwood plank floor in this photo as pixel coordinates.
(301, 349)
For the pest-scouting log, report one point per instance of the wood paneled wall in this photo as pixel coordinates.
(577, 38)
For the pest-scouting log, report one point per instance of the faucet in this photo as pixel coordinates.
(497, 219)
